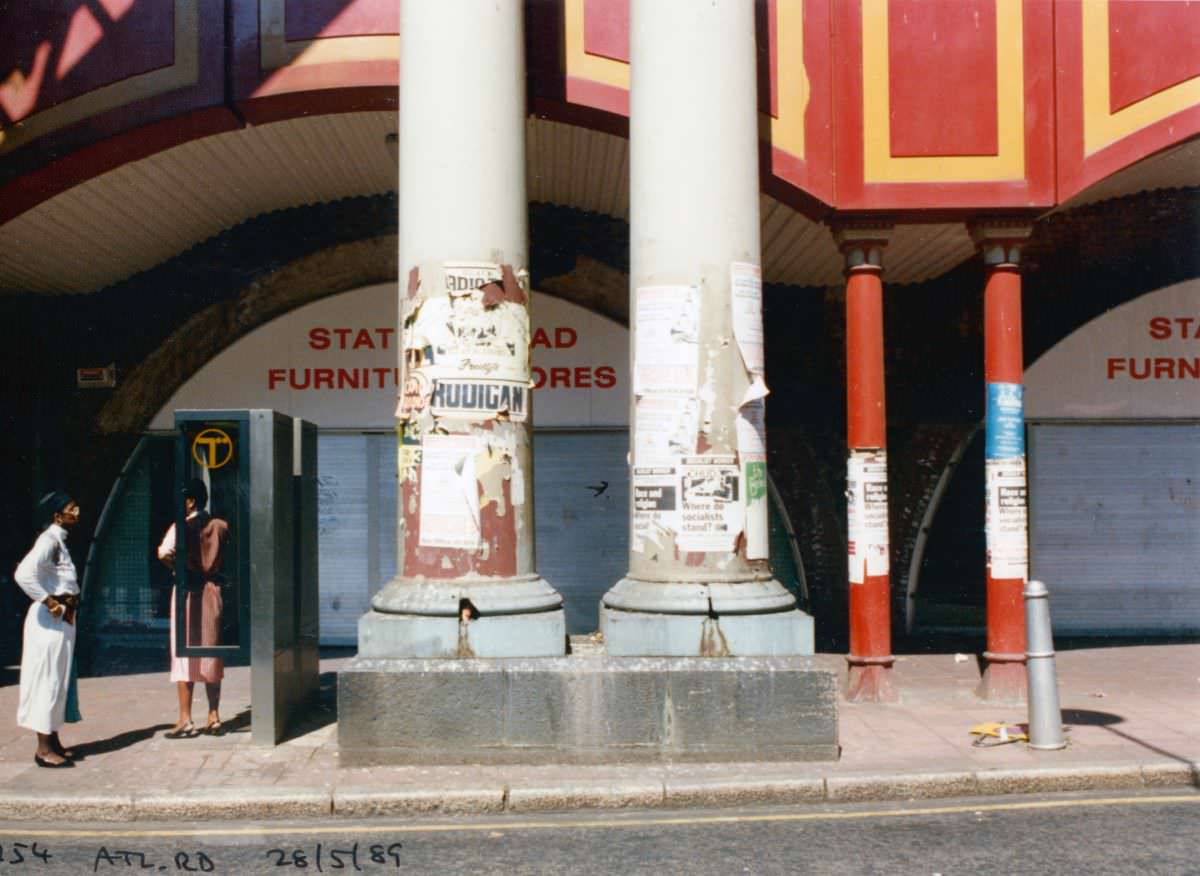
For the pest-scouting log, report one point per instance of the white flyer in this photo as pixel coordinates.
(655, 504)
(711, 515)
(867, 514)
(449, 504)
(745, 290)
(1007, 519)
(667, 341)
(665, 428)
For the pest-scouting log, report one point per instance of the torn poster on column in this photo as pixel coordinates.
(1007, 521)
(867, 515)
(667, 342)
(655, 504)
(458, 335)
(665, 428)
(449, 515)
(475, 398)
(710, 513)
(745, 291)
(752, 452)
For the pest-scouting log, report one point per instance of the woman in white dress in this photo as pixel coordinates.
(47, 575)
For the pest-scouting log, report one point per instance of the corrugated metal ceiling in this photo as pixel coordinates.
(146, 212)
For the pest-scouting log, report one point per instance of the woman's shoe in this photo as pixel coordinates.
(216, 728)
(185, 731)
(50, 765)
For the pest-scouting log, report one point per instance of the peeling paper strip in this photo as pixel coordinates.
(667, 341)
(756, 391)
(745, 290)
(449, 504)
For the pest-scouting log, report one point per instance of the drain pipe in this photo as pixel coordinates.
(1045, 716)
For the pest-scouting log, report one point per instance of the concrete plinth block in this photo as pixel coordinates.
(590, 708)
(403, 636)
(533, 634)
(407, 635)
(637, 634)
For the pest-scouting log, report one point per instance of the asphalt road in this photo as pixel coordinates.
(1069, 834)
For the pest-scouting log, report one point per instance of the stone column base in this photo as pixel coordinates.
(398, 636)
(645, 634)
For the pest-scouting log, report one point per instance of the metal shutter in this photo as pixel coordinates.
(356, 505)
(1115, 525)
(582, 536)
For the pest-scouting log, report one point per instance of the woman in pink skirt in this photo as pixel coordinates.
(206, 540)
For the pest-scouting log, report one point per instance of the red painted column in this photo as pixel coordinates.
(1005, 488)
(870, 660)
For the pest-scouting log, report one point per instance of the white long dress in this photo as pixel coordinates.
(49, 641)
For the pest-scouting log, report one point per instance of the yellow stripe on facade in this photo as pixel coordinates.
(791, 78)
(1101, 127)
(579, 63)
(880, 166)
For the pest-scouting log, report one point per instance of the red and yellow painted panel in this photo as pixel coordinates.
(66, 62)
(288, 48)
(944, 104)
(796, 115)
(1128, 84)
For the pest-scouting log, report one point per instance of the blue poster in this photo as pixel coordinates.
(1005, 420)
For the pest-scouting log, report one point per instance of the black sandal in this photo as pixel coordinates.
(42, 762)
(185, 731)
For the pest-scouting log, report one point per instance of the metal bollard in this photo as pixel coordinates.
(1045, 716)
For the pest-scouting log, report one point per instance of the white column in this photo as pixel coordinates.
(466, 584)
(699, 577)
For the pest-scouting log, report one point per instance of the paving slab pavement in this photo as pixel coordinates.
(1132, 715)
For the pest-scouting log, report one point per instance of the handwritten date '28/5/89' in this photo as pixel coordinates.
(319, 857)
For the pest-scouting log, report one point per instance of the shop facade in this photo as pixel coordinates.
(200, 210)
